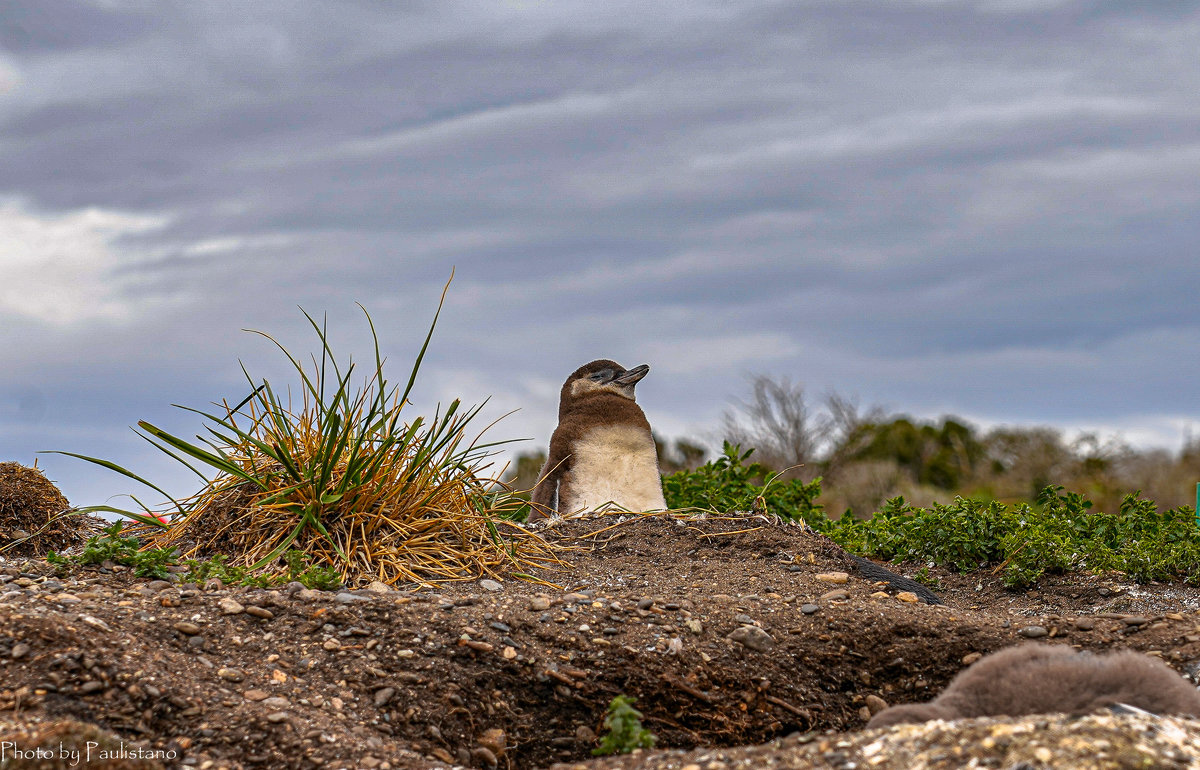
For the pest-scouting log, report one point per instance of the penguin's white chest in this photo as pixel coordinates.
(613, 465)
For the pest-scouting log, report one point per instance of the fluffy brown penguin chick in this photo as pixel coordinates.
(602, 452)
(1052, 679)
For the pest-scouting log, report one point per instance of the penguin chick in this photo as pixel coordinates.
(602, 451)
(1052, 679)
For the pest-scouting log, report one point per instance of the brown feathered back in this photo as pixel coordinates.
(1052, 679)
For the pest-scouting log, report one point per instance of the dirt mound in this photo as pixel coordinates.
(31, 515)
(729, 631)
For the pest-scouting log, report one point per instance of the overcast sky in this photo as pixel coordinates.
(989, 209)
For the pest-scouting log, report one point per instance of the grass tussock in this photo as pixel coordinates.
(339, 475)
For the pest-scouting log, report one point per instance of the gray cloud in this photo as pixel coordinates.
(982, 207)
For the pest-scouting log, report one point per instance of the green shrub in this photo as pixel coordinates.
(625, 731)
(729, 483)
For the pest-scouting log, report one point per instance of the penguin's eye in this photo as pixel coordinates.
(602, 376)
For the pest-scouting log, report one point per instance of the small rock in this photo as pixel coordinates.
(384, 695)
(90, 687)
(275, 717)
(539, 603)
(231, 674)
(345, 597)
(484, 757)
(584, 734)
(1085, 624)
(20, 650)
(230, 607)
(259, 612)
(907, 597)
(379, 587)
(745, 620)
(809, 609)
(833, 577)
(494, 740)
(490, 585)
(875, 704)
(159, 585)
(753, 637)
(836, 595)
(332, 644)
(255, 695)
(971, 657)
(694, 625)
(1033, 632)
(187, 627)
(1135, 620)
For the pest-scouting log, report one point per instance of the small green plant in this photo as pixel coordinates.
(310, 575)
(113, 546)
(625, 731)
(927, 578)
(219, 567)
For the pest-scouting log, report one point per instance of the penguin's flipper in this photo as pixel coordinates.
(872, 571)
(544, 502)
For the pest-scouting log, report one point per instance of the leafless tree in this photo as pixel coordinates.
(786, 433)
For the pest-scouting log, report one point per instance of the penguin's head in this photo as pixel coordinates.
(603, 376)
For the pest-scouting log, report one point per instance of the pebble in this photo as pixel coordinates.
(20, 650)
(809, 609)
(490, 585)
(275, 717)
(539, 603)
(1085, 624)
(230, 607)
(971, 657)
(259, 612)
(91, 686)
(1033, 632)
(231, 674)
(484, 756)
(345, 597)
(836, 595)
(187, 627)
(833, 577)
(753, 637)
(255, 695)
(379, 587)
(908, 597)
(1135, 620)
(494, 740)
(875, 704)
(745, 620)
(695, 626)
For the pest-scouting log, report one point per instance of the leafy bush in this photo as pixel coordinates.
(1061, 533)
(728, 483)
(625, 731)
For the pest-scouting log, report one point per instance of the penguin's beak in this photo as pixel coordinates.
(632, 376)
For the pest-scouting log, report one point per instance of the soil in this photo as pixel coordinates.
(518, 674)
